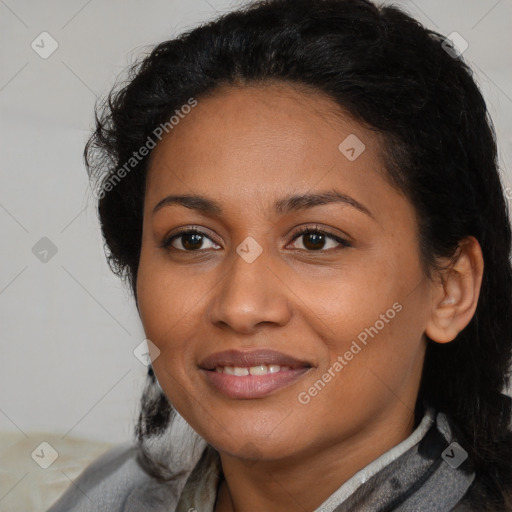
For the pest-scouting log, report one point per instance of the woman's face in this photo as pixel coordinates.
(330, 321)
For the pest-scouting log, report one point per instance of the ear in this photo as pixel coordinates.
(455, 295)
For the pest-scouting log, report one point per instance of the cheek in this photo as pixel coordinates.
(163, 313)
(352, 298)
(170, 305)
(158, 308)
(165, 296)
(373, 317)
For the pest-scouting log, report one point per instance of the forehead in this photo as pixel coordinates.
(258, 143)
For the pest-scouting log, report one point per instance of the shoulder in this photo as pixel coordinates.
(107, 484)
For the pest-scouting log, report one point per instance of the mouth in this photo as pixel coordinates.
(255, 374)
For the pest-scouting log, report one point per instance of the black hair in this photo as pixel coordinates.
(395, 76)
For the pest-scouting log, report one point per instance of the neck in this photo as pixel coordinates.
(285, 484)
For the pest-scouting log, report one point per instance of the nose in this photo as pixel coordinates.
(249, 295)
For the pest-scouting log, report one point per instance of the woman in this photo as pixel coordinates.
(304, 198)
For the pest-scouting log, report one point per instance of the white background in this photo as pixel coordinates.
(68, 327)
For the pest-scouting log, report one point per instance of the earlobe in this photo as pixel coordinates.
(455, 295)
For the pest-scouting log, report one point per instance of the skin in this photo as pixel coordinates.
(246, 148)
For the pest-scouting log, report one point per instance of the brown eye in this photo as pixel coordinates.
(190, 240)
(316, 239)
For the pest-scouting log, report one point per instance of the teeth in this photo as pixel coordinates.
(261, 369)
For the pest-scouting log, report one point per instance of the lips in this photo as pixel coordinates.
(250, 375)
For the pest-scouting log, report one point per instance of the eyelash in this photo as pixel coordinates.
(166, 244)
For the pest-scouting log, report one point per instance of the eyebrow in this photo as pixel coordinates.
(282, 206)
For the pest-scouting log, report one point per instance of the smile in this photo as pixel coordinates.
(251, 374)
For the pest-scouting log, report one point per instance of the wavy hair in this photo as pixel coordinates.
(395, 76)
